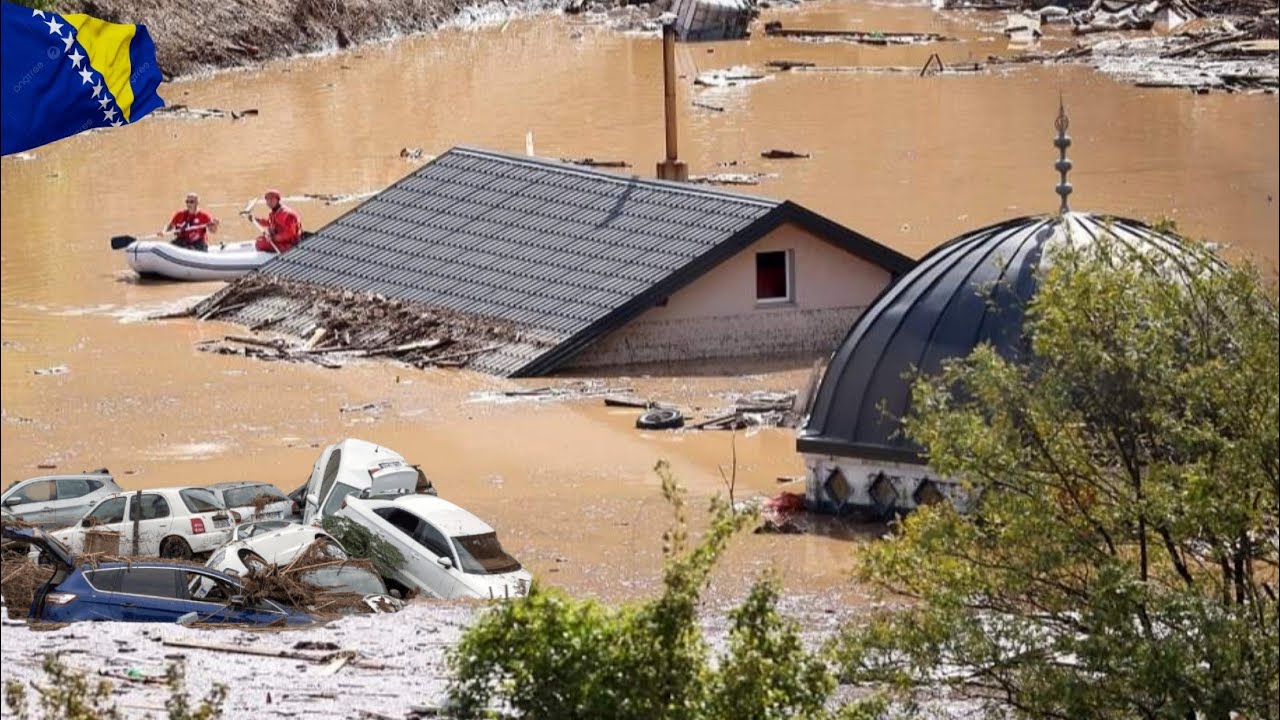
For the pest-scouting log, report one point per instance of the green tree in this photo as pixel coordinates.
(1122, 558)
(550, 656)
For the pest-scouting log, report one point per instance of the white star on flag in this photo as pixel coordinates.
(97, 90)
(105, 101)
(69, 40)
(109, 114)
(55, 27)
(85, 76)
(117, 123)
(76, 57)
(37, 13)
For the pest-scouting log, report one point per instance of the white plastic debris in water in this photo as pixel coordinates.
(55, 370)
(711, 19)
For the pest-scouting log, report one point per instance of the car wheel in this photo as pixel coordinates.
(175, 548)
(660, 419)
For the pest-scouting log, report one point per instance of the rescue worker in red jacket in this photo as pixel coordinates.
(282, 227)
(191, 225)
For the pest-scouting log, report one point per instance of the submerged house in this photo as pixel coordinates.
(582, 268)
(969, 291)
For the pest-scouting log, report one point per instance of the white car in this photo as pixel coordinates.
(271, 542)
(448, 552)
(168, 522)
(352, 466)
(254, 500)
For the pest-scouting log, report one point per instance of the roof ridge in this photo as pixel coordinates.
(666, 185)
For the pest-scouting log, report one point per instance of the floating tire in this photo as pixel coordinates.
(660, 419)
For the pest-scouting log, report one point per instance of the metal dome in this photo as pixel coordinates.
(972, 290)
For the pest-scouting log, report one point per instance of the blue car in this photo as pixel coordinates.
(141, 591)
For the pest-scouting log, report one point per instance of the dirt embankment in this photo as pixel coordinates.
(198, 35)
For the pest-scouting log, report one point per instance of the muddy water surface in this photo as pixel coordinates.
(905, 160)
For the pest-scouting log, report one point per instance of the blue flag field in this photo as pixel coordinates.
(64, 74)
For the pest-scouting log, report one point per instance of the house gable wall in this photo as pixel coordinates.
(718, 316)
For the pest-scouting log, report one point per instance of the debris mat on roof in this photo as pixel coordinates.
(338, 325)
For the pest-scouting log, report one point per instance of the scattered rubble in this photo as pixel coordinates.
(1225, 45)
(339, 326)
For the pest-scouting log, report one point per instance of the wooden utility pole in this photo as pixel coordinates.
(671, 168)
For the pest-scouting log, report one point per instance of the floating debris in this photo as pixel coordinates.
(784, 155)
(180, 110)
(785, 65)
(55, 370)
(730, 178)
(776, 29)
(731, 77)
(592, 162)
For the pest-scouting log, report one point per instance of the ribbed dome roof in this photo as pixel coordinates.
(972, 290)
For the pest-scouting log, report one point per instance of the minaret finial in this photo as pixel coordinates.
(1063, 166)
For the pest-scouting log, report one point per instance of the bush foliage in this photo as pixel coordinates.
(551, 656)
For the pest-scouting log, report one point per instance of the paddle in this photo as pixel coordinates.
(119, 242)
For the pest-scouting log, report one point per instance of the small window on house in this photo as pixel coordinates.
(773, 276)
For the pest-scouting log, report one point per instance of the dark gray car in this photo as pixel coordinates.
(56, 501)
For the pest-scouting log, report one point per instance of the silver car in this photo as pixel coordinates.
(57, 501)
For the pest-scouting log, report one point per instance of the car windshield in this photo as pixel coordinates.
(346, 578)
(199, 500)
(334, 503)
(241, 496)
(483, 555)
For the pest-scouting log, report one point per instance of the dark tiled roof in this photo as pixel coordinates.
(562, 253)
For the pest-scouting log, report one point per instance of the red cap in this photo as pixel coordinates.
(273, 192)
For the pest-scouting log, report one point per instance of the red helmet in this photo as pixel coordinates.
(269, 193)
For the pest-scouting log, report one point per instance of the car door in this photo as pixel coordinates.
(437, 543)
(421, 558)
(106, 517)
(34, 501)
(320, 483)
(73, 499)
(152, 594)
(153, 517)
(105, 603)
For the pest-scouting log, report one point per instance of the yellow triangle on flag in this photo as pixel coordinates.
(107, 45)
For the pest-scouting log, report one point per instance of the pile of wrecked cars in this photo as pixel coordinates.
(135, 555)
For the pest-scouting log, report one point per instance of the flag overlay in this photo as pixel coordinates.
(64, 74)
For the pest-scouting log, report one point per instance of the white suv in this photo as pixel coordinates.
(168, 522)
(448, 552)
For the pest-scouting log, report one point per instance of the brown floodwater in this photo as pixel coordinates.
(909, 161)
